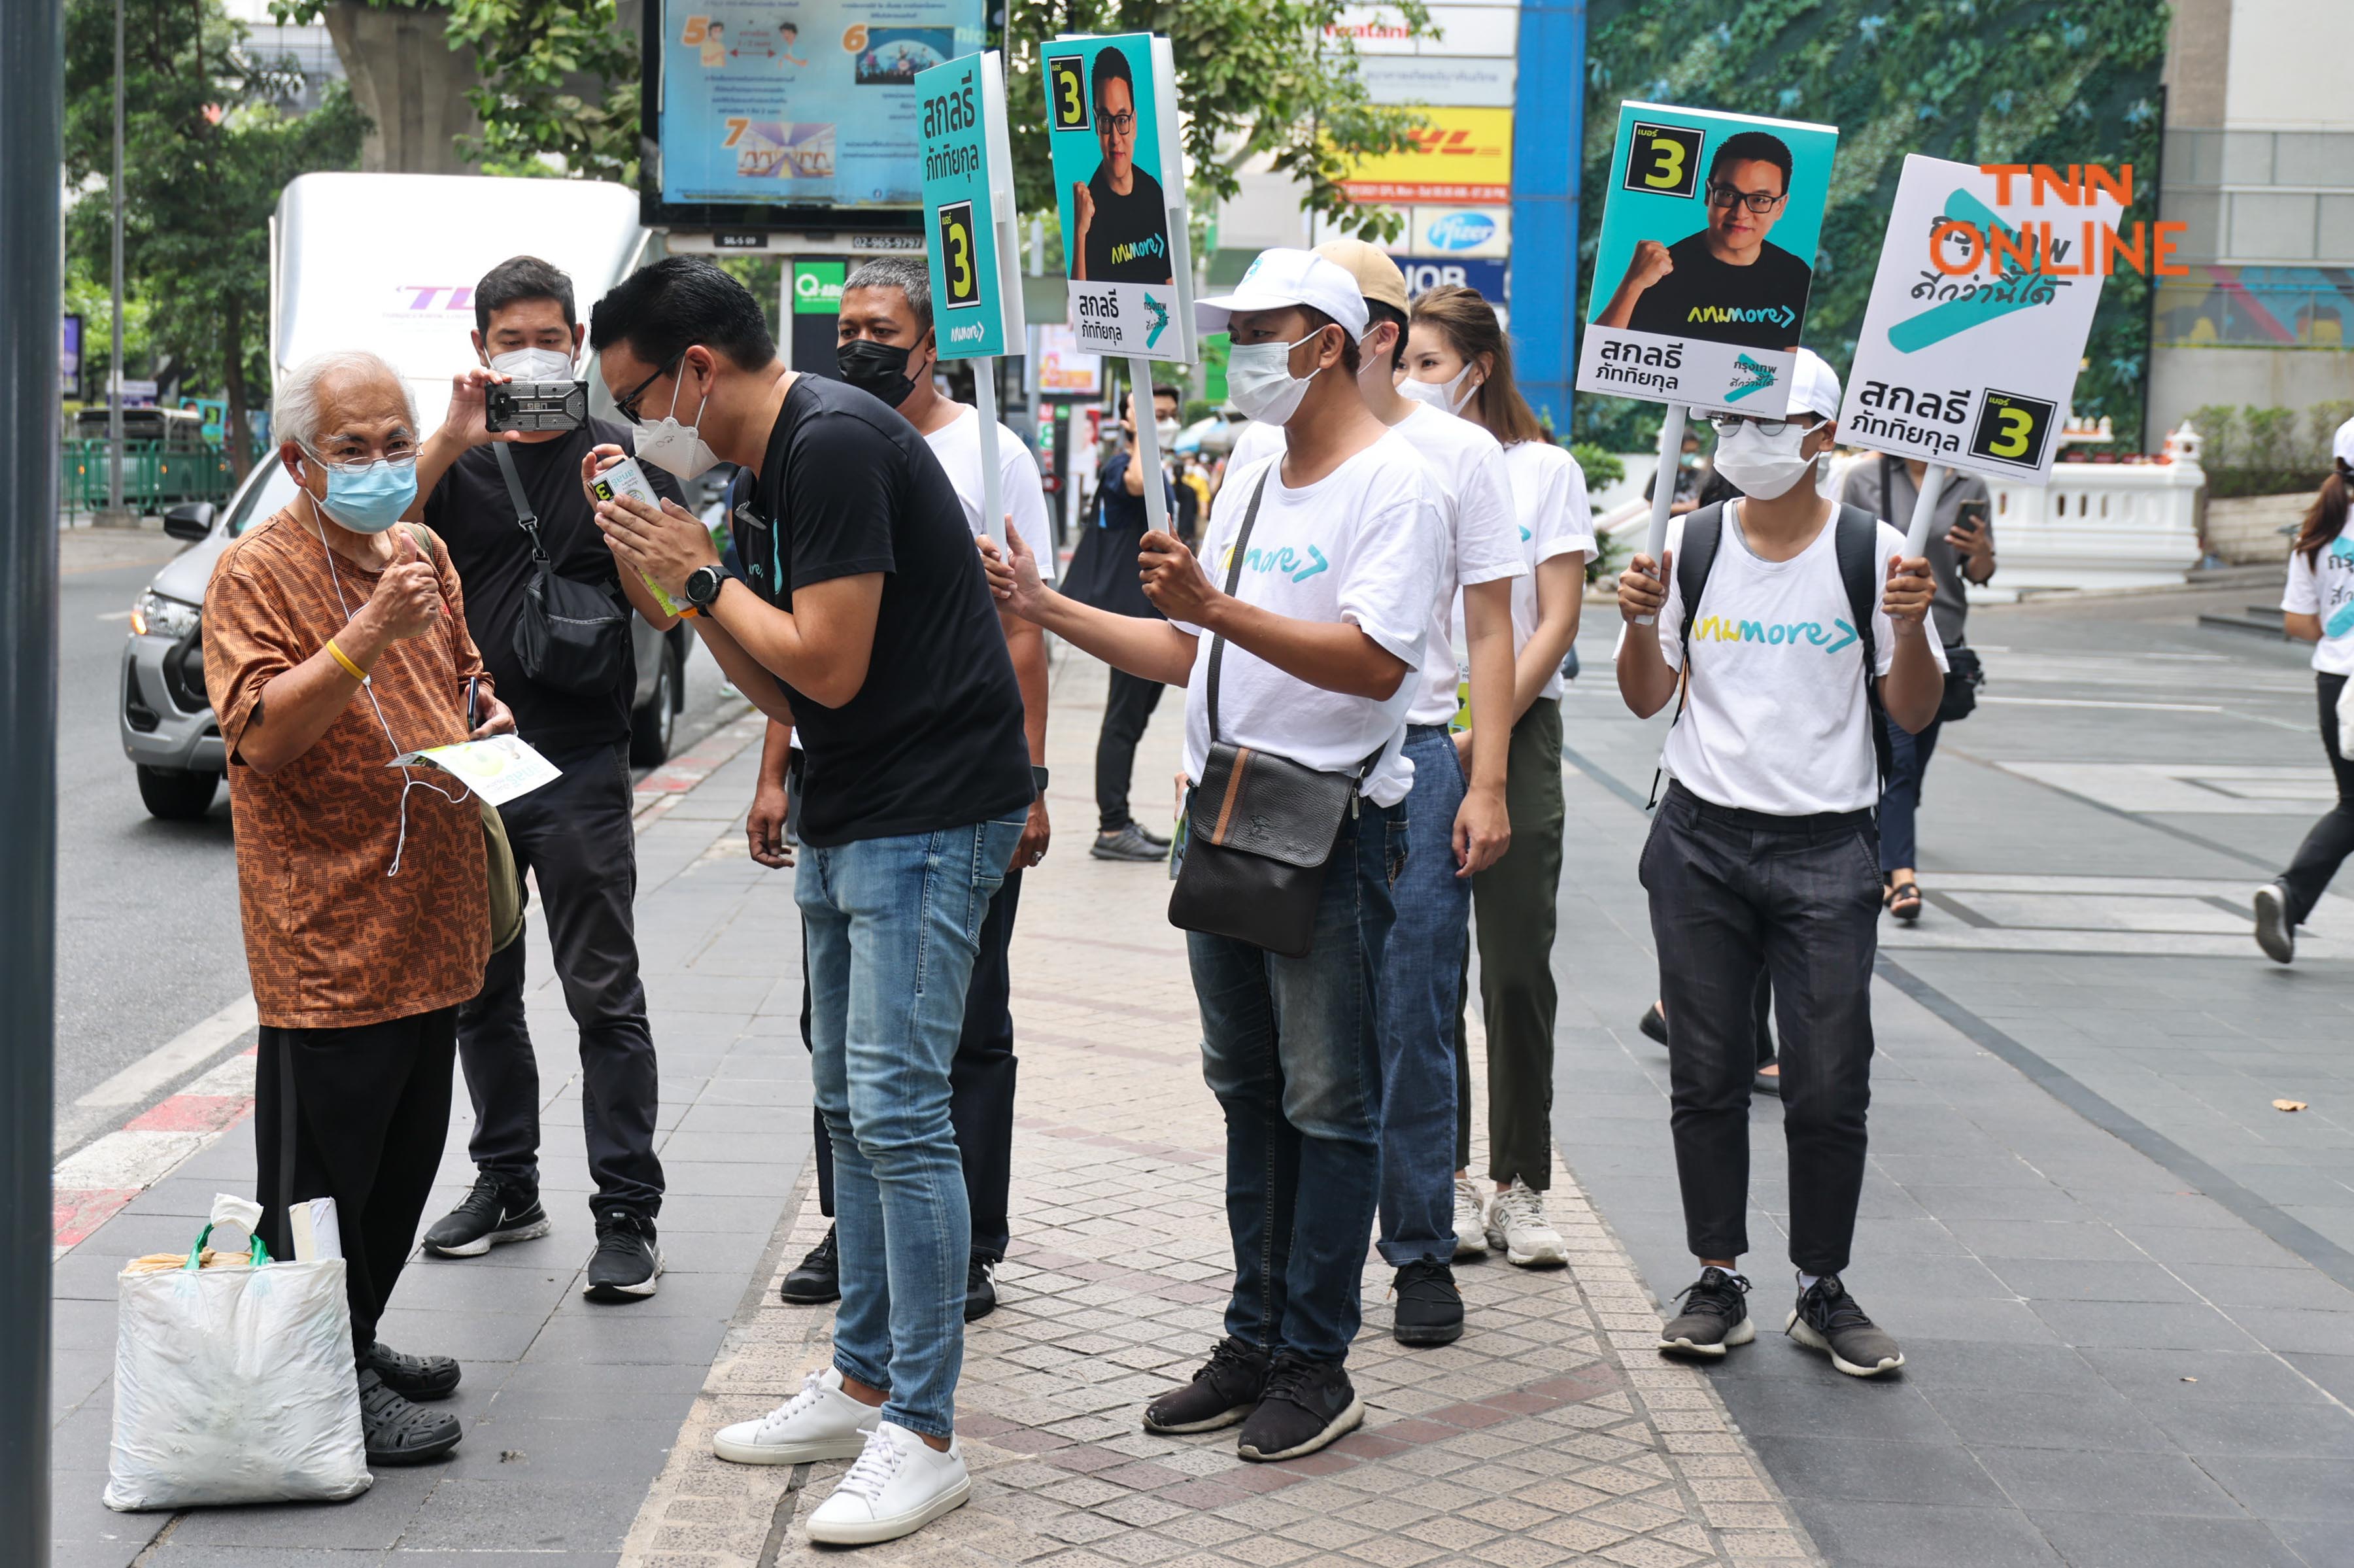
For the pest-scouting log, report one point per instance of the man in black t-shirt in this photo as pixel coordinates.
(1728, 283)
(1121, 217)
(573, 835)
(862, 620)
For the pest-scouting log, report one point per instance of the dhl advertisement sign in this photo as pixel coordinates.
(1460, 155)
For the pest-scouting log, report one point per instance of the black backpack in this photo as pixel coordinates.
(1857, 542)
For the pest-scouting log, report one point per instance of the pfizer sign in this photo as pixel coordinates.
(1482, 231)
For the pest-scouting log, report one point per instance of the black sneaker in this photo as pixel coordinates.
(1222, 1393)
(627, 1262)
(1654, 1024)
(1307, 1404)
(1765, 1083)
(816, 1279)
(492, 1212)
(1827, 1319)
(1130, 843)
(2274, 935)
(1429, 1309)
(412, 1377)
(980, 1288)
(396, 1430)
(1714, 1317)
(1148, 835)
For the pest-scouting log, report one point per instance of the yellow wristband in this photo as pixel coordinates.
(340, 657)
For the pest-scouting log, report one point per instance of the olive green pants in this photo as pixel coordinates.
(1513, 901)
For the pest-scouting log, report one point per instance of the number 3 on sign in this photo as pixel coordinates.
(2013, 430)
(961, 278)
(1067, 91)
(1664, 160)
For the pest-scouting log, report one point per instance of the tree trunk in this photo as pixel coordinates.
(410, 83)
(239, 442)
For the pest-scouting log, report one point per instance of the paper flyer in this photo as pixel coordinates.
(499, 769)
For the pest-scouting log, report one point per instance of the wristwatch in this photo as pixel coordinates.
(1038, 777)
(703, 588)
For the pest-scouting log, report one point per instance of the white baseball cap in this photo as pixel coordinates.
(1814, 385)
(1282, 277)
(2341, 446)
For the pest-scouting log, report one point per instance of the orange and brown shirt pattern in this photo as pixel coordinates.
(333, 942)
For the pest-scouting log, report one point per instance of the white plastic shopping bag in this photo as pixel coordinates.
(234, 1384)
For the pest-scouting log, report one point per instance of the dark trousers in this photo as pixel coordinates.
(980, 1082)
(1900, 798)
(2331, 839)
(1128, 708)
(1736, 894)
(575, 837)
(357, 1114)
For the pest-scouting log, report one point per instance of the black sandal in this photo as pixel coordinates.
(397, 1431)
(1904, 901)
(1654, 1024)
(414, 1377)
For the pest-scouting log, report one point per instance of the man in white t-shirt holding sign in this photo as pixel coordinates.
(1323, 633)
(1456, 825)
(887, 348)
(1764, 855)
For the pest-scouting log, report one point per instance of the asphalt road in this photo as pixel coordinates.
(147, 927)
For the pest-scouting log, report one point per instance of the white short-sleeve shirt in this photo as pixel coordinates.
(1020, 492)
(2325, 586)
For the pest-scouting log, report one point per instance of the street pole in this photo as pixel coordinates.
(32, 146)
(114, 393)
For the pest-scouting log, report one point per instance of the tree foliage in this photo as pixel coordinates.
(207, 146)
(535, 56)
(1254, 77)
(2013, 82)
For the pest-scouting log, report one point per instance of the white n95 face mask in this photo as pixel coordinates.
(679, 449)
(1447, 397)
(1762, 465)
(533, 364)
(1260, 382)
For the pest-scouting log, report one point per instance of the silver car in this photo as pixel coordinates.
(168, 730)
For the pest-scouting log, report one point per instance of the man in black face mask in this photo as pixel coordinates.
(887, 348)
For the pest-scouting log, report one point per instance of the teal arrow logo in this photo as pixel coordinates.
(1977, 302)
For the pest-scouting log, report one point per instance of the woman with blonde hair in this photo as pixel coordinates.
(1459, 359)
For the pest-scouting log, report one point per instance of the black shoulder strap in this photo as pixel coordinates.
(1860, 572)
(1234, 577)
(524, 514)
(1703, 531)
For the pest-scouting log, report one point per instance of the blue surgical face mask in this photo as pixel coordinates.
(368, 498)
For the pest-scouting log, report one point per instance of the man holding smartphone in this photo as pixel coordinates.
(1961, 551)
(574, 835)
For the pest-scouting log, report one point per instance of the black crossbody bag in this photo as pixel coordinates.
(1259, 828)
(570, 636)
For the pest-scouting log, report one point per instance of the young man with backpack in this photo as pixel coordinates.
(1789, 623)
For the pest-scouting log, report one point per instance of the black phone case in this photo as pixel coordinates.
(536, 406)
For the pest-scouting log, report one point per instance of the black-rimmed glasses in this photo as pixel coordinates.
(1726, 423)
(1117, 124)
(628, 401)
(1756, 201)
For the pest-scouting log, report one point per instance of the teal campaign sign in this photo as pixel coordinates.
(967, 208)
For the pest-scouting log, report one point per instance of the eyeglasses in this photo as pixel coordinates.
(628, 401)
(1727, 423)
(1117, 124)
(1756, 201)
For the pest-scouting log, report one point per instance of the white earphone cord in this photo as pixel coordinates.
(408, 780)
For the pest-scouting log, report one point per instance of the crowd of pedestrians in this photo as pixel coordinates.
(1370, 620)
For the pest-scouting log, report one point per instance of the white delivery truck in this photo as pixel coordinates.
(384, 262)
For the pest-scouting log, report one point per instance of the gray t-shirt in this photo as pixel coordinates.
(1862, 488)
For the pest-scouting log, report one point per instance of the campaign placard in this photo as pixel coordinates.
(968, 207)
(1977, 319)
(1706, 257)
(1119, 187)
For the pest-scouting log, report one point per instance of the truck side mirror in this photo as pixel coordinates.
(190, 520)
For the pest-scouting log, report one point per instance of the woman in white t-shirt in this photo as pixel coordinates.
(1459, 359)
(2318, 607)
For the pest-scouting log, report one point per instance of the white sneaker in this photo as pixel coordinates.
(1515, 1221)
(900, 1485)
(1470, 1220)
(821, 1422)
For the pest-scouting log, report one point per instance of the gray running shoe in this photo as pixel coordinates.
(1714, 1317)
(1129, 843)
(1827, 1319)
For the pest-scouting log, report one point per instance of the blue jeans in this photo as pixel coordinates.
(893, 925)
(1289, 1047)
(1908, 759)
(1422, 992)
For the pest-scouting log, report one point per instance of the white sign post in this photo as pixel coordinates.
(1977, 324)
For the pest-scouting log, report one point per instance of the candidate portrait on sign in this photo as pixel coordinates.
(1119, 216)
(1728, 282)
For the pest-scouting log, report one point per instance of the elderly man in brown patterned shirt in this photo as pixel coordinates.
(335, 641)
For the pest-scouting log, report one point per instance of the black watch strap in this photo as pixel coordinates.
(1038, 778)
